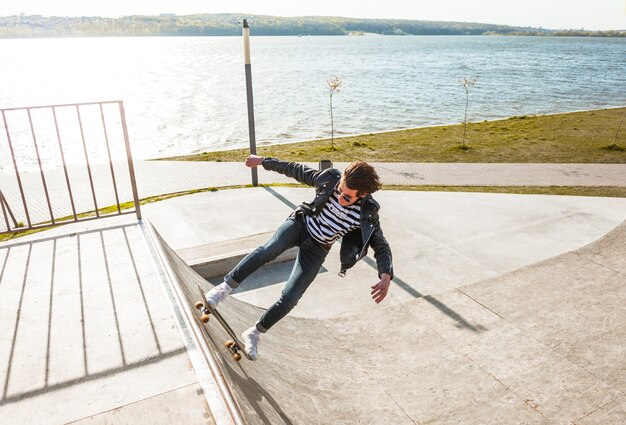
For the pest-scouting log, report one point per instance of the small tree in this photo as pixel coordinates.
(334, 87)
(614, 144)
(467, 84)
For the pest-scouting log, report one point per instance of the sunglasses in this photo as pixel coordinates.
(345, 197)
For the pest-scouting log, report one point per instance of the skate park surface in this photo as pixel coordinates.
(504, 309)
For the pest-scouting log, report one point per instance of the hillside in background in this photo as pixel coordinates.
(28, 26)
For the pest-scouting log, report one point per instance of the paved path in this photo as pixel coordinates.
(504, 174)
(155, 177)
(162, 177)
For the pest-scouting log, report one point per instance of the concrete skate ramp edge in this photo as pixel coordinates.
(491, 352)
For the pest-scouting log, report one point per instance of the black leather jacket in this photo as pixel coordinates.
(355, 244)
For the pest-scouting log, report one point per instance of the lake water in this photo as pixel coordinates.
(185, 95)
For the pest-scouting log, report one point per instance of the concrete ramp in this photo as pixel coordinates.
(541, 345)
(305, 374)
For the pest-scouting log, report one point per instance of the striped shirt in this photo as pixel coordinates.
(334, 221)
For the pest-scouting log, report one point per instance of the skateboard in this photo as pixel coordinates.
(234, 345)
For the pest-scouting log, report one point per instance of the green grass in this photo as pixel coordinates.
(577, 137)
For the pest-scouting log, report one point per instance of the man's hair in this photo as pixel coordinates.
(362, 177)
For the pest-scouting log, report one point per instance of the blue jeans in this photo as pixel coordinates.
(311, 256)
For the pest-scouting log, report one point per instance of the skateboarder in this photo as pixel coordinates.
(342, 208)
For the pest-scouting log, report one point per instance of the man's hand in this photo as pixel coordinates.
(379, 291)
(254, 161)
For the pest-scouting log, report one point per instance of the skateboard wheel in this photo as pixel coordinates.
(204, 318)
(229, 343)
(237, 357)
(199, 305)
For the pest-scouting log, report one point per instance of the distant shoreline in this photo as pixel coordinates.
(47, 37)
(36, 37)
(208, 25)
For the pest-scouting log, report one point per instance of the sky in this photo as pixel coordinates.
(552, 14)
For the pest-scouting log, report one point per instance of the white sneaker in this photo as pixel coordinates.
(217, 294)
(251, 339)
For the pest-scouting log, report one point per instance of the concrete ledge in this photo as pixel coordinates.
(217, 259)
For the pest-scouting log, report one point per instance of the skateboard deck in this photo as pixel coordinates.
(235, 346)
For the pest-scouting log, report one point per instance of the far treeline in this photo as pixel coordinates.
(32, 26)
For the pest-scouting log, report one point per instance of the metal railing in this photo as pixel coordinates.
(36, 194)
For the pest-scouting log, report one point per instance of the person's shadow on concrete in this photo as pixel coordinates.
(252, 391)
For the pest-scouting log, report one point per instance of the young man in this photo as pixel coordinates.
(343, 208)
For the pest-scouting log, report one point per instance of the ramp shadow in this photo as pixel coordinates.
(250, 388)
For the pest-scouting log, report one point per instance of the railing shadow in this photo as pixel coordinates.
(75, 309)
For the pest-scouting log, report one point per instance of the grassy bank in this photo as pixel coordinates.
(577, 137)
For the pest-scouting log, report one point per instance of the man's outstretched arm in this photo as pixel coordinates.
(299, 172)
(384, 262)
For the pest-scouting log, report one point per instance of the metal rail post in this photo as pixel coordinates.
(248, 69)
(129, 156)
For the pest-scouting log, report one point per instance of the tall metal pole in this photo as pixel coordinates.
(248, 67)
